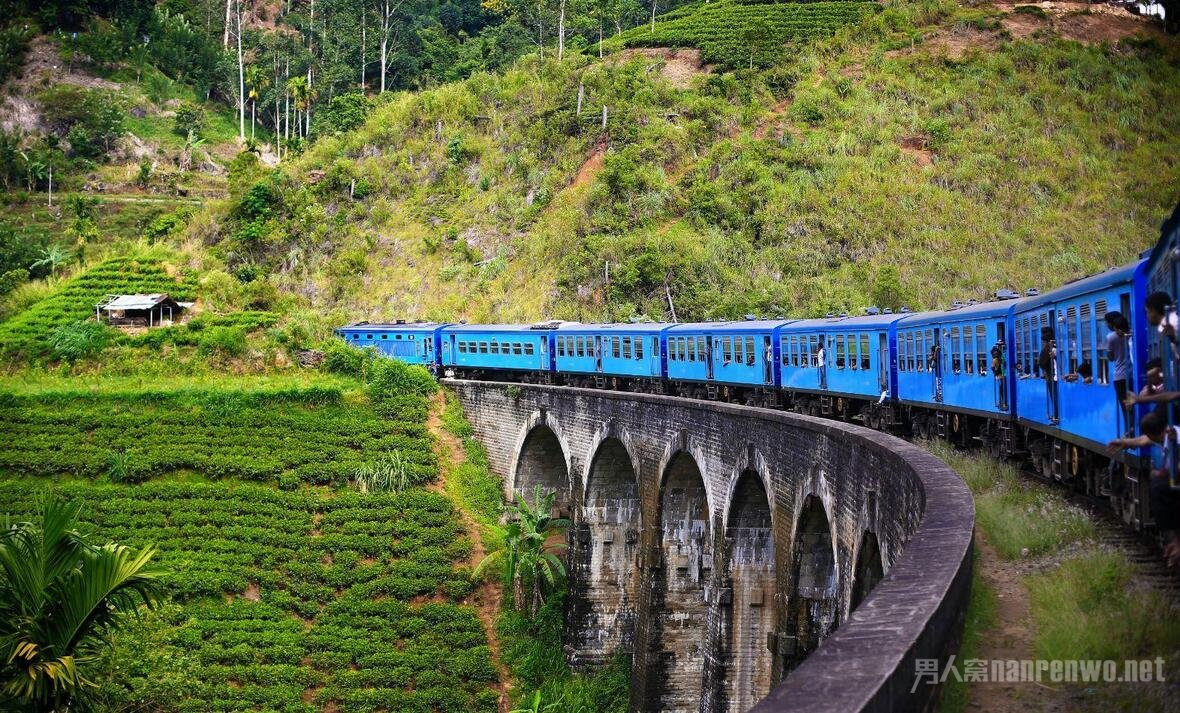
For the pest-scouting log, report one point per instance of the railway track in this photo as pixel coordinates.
(1145, 555)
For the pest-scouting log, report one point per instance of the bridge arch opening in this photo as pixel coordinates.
(748, 602)
(869, 569)
(814, 610)
(542, 463)
(678, 597)
(611, 520)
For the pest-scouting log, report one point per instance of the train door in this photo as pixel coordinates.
(935, 363)
(449, 352)
(709, 357)
(598, 352)
(767, 361)
(654, 363)
(1052, 393)
(1000, 367)
(821, 360)
(883, 362)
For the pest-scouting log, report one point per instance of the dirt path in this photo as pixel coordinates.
(489, 594)
(1012, 638)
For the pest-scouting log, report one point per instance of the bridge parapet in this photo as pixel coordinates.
(721, 544)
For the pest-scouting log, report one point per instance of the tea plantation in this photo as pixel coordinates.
(304, 597)
(729, 31)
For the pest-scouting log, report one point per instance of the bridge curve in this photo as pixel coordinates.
(719, 545)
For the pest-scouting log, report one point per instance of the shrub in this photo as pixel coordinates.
(91, 119)
(12, 279)
(223, 341)
(391, 377)
(388, 474)
(340, 358)
(79, 340)
(190, 116)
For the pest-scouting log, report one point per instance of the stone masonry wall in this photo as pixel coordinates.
(716, 590)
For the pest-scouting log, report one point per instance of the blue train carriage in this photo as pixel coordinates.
(734, 361)
(411, 342)
(1069, 412)
(954, 375)
(615, 356)
(842, 367)
(519, 352)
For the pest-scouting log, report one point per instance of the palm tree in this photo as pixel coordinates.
(526, 554)
(60, 598)
(301, 95)
(257, 80)
(52, 257)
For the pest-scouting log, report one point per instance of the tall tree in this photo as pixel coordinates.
(257, 81)
(60, 598)
(388, 11)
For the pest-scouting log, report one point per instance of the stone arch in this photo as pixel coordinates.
(870, 568)
(542, 459)
(748, 596)
(684, 566)
(814, 609)
(608, 548)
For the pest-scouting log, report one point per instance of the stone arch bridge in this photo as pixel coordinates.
(721, 545)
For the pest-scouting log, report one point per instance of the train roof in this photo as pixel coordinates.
(537, 327)
(994, 308)
(856, 322)
(400, 326)
(745, 325)
(1169, 237)
(1084, 285)
(643, 327)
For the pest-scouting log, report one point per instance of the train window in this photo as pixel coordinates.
(674, 348)
(737, 349)
(462, 347)
(751, 356)
(791, 351)
(614, 347)
(517, 348)
(702, 349)
(981, 353)
(529, 349)
(956, 350)
(639, 347)
(1071, 339)
(866, 356)
(1086, 342)
(901, 352)
(684, 342)
(626, 347)
(853, 361)
(726, 350)
(483, 347)
(386, 336)
(839, 351)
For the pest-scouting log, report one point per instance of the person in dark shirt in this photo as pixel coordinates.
(1047, 361)
(1165, 500)
(1118, 353)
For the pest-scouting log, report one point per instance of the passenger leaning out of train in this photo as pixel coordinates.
(1047, 362)
(1118, 351)
(1165, 501)
(1161, 314)
(1153, 391)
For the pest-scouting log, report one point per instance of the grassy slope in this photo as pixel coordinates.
(784, 190)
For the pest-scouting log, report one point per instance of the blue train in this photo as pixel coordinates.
(1024, 375)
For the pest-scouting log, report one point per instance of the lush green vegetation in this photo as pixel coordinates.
(1084, 600)
(61, 598)
(287, 598)
(734, 33)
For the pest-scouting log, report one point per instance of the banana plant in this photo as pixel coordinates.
(527, 553)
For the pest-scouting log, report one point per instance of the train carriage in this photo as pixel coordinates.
(724, 359)
(618, 355)
(1069, 412)
(953, 373)
(412, 342)
(853, 377)
(488, 349)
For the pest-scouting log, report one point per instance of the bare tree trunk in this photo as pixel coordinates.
(307, 103)
(600, 39)
(253, 106)
(653, 15)
(241, 79)
(225, 34)
(364, 36)
(561, 31)
(581, 96)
